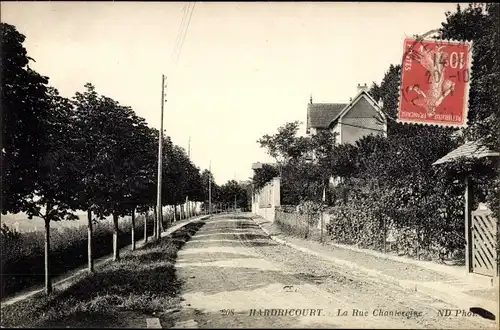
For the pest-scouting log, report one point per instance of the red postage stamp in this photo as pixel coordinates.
(435, 77)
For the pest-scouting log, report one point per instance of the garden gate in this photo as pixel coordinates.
(484, 240)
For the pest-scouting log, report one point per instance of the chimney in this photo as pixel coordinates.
(362, 88)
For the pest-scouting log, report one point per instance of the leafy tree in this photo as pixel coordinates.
(141, 180)
(116, 154)
(57, 174)
(344, 161)
(88, 117)
(480, 24)
(264, 175)
(24, 110)
(97, 159)
(146, 196)
(38, 172)
(206, 177)
(301, 179)
(194, 183)
(232, 192)
(173, 182)
(285, 146)
(181, 163)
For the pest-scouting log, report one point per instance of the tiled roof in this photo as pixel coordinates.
(468, 150)
(320, 115)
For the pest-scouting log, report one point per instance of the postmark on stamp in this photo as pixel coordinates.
(435, 79)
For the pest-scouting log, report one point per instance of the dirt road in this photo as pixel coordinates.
(234, 276)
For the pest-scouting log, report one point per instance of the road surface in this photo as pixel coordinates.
(234, 276)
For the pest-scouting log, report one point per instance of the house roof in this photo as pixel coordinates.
(320, 115)
(354, 100)
(468, 150)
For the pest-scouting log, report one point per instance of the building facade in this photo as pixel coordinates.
(351, 121)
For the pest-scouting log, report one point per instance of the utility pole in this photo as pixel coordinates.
(159, 213)
(234, 178)
(187, 206)
(210, 188)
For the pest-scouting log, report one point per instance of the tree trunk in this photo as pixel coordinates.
(133, 230)
(48, 280)
(116, 251)
(155, 224)
(89, 241)
(145, 227)
(175, 212)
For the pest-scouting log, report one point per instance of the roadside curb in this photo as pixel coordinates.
(432, 289)
(445, 269)
(73, 274)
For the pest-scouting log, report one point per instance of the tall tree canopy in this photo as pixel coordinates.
(480, 23)
(25, 109)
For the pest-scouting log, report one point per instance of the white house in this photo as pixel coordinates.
(351, 121)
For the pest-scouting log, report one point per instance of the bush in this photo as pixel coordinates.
(354, 224)
(418, 222)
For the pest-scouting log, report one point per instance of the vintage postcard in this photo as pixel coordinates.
(249, 165)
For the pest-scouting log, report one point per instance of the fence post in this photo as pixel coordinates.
(323, 201)
(307, 223)
(468, 223)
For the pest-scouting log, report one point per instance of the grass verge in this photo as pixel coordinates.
(118, 294)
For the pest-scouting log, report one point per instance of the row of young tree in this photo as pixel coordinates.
(86, 153)
(392, 179)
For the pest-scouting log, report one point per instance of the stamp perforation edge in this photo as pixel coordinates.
(465, 105)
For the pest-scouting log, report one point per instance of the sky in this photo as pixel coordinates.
(244, 69)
